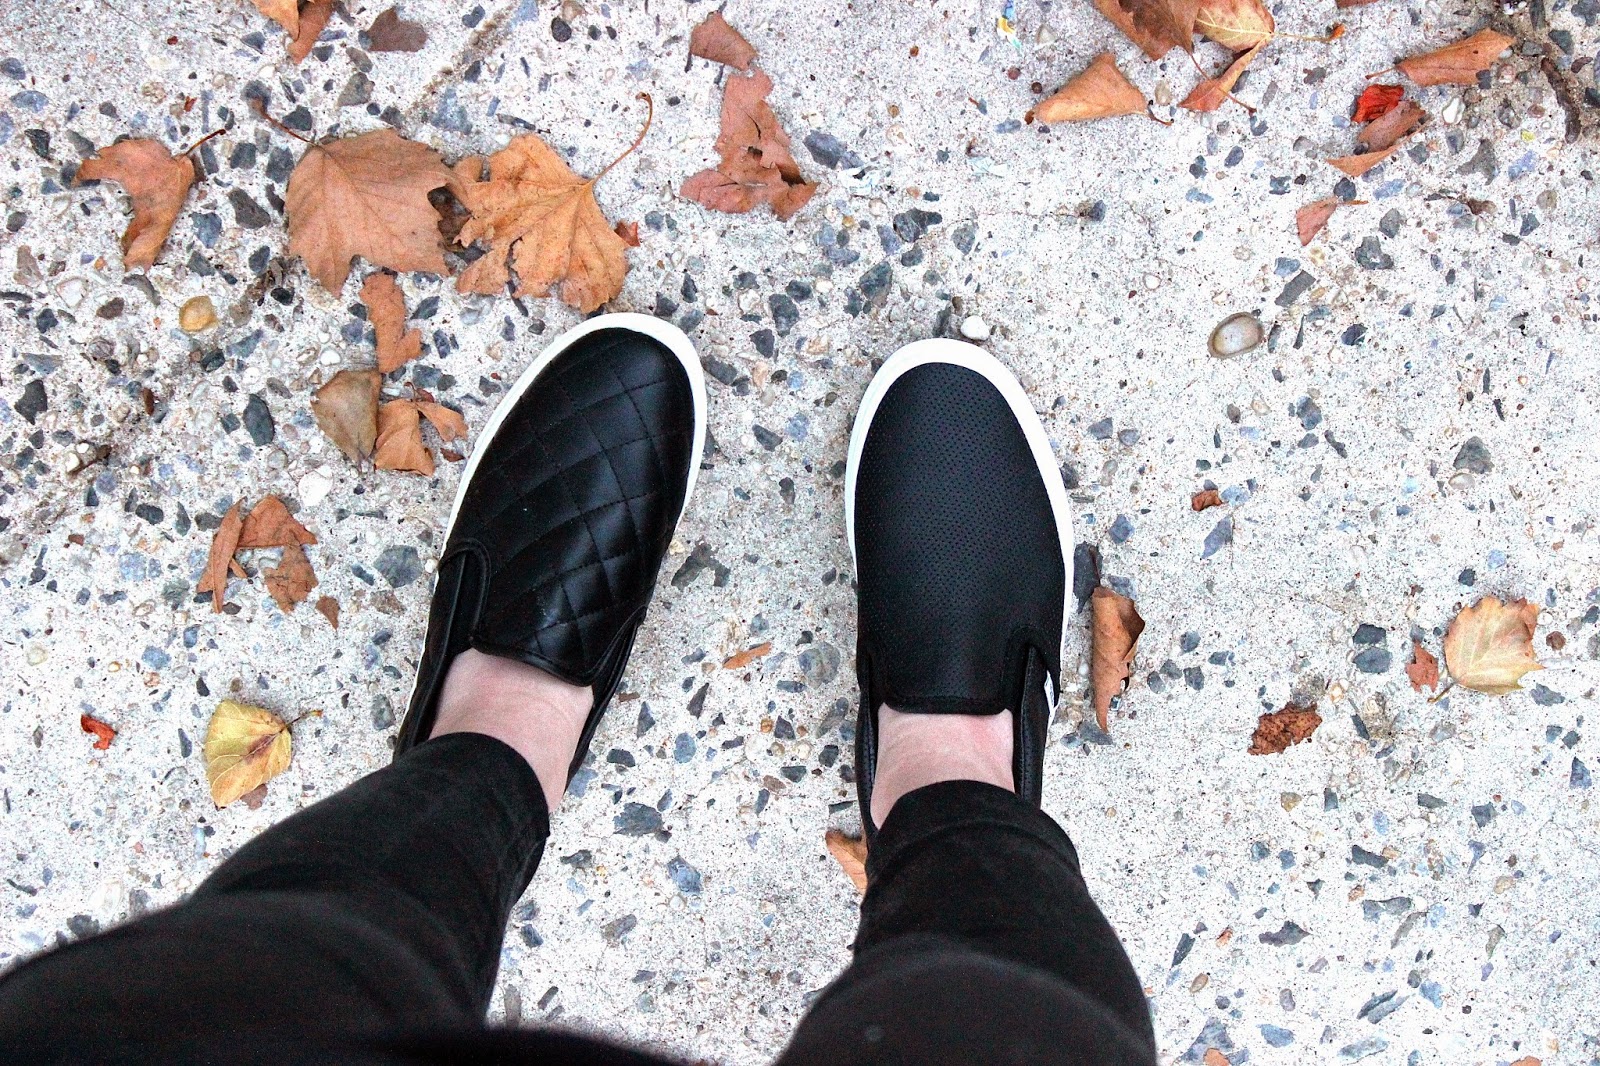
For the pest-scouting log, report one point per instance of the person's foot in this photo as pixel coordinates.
(566, 509)
(958, 523)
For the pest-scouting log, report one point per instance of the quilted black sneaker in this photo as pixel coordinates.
(565, 512)
(962, 540)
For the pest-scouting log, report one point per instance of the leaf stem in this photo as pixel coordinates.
(1441, 693)
(261, 109)
(648, 118)
(309, 714)
(214, 133)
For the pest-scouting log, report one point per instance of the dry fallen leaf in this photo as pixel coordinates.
(1459, 63)
(1214, 92)
(629, 232)
(1115, 626)
(1388, 128)
(314, 18)
(156, 182)
(368, 196)
(1235, 24)
(270, 525)
(399, 442)
(1423, 669)
(1156, 26)
(291, 581)
(1277, 730)
(285, 13)
(1376, 101)
(346, 409)
(1310, 219)
(328, 607)
(542, 220)
(1100, 91)
(245, 747)
(851, 855)
(756, 165)
(103, 733)
(1213, 1057)
(1357, 165)
(719, 42)
(746, 657)
(391, 33)
(223, 544)
(1489, 646)
(386, 310)
(1204, 499)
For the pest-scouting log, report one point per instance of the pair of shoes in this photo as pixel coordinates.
(954, 508)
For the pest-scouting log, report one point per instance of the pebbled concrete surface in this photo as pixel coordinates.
(1414, 885)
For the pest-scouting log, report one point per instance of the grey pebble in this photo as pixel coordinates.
(686, 877)
(33, 402)
(1287, 935)
(1220, 537)
(399, 564)
(1546, 697)
(1362, 857)
(1297, 287)
(1372, 256)
(831, 152)
(820, 664)
(785, 315)
(1121, 530)
(1474, 456)
(615, 931)
(1101, 430)
(1373, 660)
(246, 212)
(1579, 776)
(258, 420)
(1367, 633)
(637, 820)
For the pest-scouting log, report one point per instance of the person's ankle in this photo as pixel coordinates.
(535, 713)
(915, 750)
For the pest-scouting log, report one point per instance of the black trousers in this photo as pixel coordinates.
(367, 928)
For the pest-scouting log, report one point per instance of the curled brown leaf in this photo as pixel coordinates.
(1278, 729)
(346, 409)
(156, 181)
(1101, 90)
(851, 855)
(1423, 669)
(1115, 626)
(719, 42)
(1212, 93)
(1459, 63)
(386, 310)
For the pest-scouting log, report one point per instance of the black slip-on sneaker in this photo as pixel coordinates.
(565, 511)
(962, 540)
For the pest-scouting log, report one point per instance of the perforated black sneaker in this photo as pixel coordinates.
(958, 523)
(566, 509)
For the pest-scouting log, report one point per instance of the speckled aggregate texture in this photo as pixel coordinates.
(1415, 884)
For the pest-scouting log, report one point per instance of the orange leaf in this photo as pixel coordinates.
(313, 20)
(1156, 26)
(386, 310)
(1279, 729)
(328, 607)
(1100, 91)
(156, 182)
(1310, 219)
(346, 409)
(1489, 646)
(756, 165)
(1235, 24)
(285, 13)
(1388, 129)
(270, 525)
(719, 42)
(447, 423)
(292, 580)
(368, 196)
(629, 232)
(542, 220)
(399, 445)
(1213, 1057)
(1214, 92)
(851, 855)
(1115, 626)
(1376, 101)
(103, 733)
(1459, 63)
(220, 560)
(1200, 501)
(1357, 165)
(1423, 669)
(748, 656)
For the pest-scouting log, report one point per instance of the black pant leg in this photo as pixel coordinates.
(381, 907)
(978, 942)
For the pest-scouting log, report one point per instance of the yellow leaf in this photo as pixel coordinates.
(851, 855)
(1489, 646)
(245, 747)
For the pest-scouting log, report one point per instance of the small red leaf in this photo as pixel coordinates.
(1377, 100)
(103, 733)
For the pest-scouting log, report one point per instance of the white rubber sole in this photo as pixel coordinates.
(657, 329)
(975, 359)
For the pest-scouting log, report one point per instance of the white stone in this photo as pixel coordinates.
(314, 486)
(974, 328)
